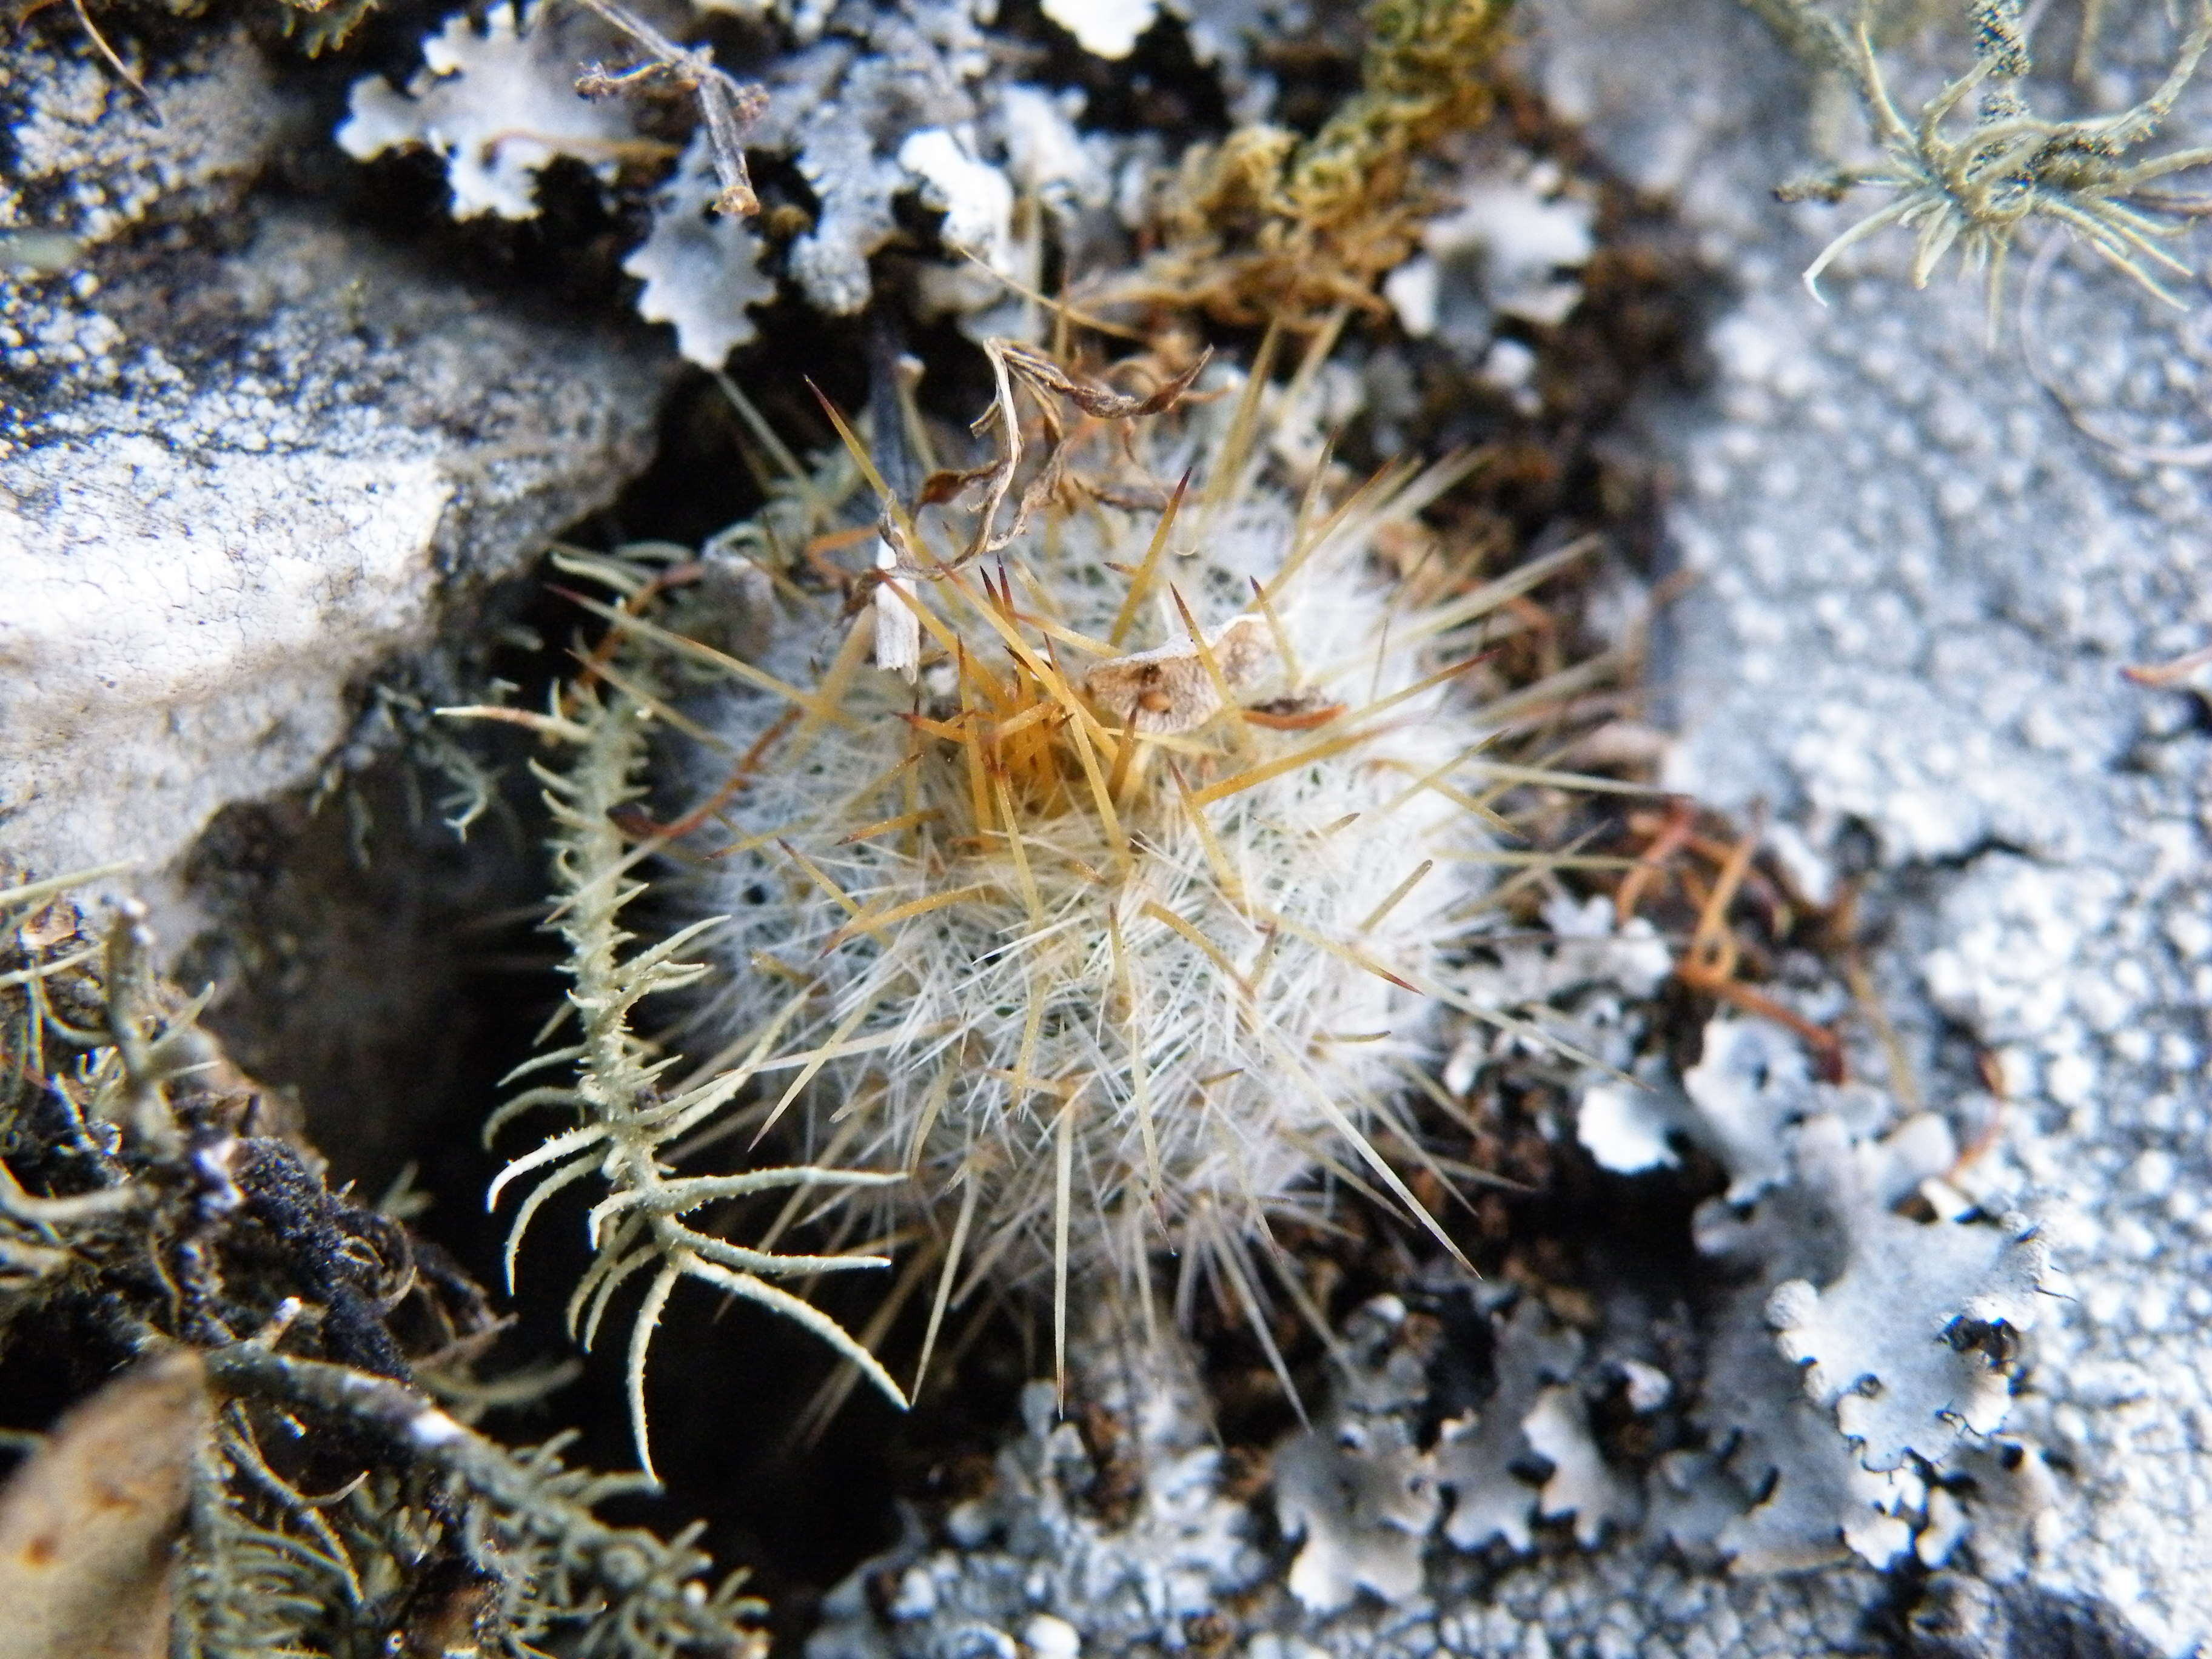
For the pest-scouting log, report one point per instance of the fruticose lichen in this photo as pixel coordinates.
(1974, 190)
(625, 1119)
(156, 1206)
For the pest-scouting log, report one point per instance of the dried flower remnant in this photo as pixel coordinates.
(88, 1523)
(1974, 190)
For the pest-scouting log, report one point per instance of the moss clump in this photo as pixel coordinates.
(1268, 226)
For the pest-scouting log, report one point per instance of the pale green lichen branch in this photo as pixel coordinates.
(1973, 190)
(625, 1122)
(527, 1523)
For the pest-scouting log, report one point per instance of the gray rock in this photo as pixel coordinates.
(235, 484)
(1962, 1618)
(86, 161)
(1920, 580)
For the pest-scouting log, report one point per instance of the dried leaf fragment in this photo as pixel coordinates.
(88, 1526)
(1168, 689)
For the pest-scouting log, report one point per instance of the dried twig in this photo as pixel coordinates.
(729, 107)
(1018, 368)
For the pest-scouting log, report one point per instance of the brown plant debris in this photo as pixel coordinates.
(1266, 227)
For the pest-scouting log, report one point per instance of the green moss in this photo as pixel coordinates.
(1267, 226)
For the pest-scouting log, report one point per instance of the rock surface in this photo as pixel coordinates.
(235, 480)
(1920, 581)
